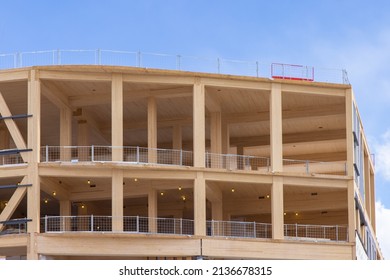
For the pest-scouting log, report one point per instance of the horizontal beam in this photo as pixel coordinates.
(22, 116)
(15, 222)
(14, 151)
(15, 186)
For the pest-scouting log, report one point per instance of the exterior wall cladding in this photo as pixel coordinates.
(108, 162)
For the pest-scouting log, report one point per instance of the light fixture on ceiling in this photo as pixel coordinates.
(161, 193)
(233, 190)
(54, 193)
(46, 201)
(180, 188)
(88, 182)
(268, 196)
(183, 197)
(135, 179)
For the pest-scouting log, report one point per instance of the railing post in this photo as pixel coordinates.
(139, 58)
(63, 223)
(137, 154)
(137, 224)
(181, 157)
(296, 230)
(306, 230)
(58, 57)
(218, 65)
(45, 223)
(181, 226)
(47, 153)
(99, 56)
(337, 233)
(254, 229)
(178, 62)
(91, 223)
(92, 153)
(257, 69)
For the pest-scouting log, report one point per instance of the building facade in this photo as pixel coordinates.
(110, 162)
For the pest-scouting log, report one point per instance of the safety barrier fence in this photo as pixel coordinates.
(230, 229)
(142, 155)
(317, 232)
(11, 159)
(14, 226)
(172, 62)
(239, 229)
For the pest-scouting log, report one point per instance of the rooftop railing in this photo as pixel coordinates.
(169, 157)
(239, 229)
(172, 62)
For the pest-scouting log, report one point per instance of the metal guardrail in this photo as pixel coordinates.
(162, 61)
(317, 232)
(239, 229)
(142, 155)
(229, 229)
(131, 224)
(134, 155)
(11, 159)
(237, 162)
(14, 226)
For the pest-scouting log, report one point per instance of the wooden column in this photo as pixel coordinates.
(216, 139)
(372, 197)
(199, 124)
(177, 144)
(152, 210)
(225, 138)
(65, 133)
(276, 128)
(83, 140)
(277, 208)
(367, 187)
(200, 205)
(117, 117)
(66, 211)
(32, 253)
(349, 129)
(34, 143)
(117, 200)
(152, 130)
(351, 213)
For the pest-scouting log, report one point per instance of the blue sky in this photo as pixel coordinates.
(354, 35)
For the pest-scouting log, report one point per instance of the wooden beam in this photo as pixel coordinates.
(117, 117)
(55, 96)
(13, 203)
(129, 96)
(13, 128)
(73, 76)
(276, 128)
(349, 103)
(212, 103)
(200, 205)
(152, 210)
(117, 200)
(199, 125)
(34, 143)
(13, 75)
(152, 130)
(277, 208)
(328, 90)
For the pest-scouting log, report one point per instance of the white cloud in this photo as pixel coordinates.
(382, 155)
(383, 228)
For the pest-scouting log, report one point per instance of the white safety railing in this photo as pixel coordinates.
(239, 229)
(142, 155)
(171, 62)
(315, 167)
(237, 162)
(130, 224)
(316, 232)
(11, 159)
(135, 155)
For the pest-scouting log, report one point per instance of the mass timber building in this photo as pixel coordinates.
(111, 162)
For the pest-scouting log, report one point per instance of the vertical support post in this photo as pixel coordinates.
(351, 213)
(200, 205)
(92, 153)
(65, 133)
(277, 208)
(91, 223)
(349, 131)
(34, 143)
(276, 128)
(45, 223)
(47, 153)
(137, 154)
(177, 142)
(199, 124)
(117, 200)
(117, 117)
(152, 210)
(216, 138)
(152, 130)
